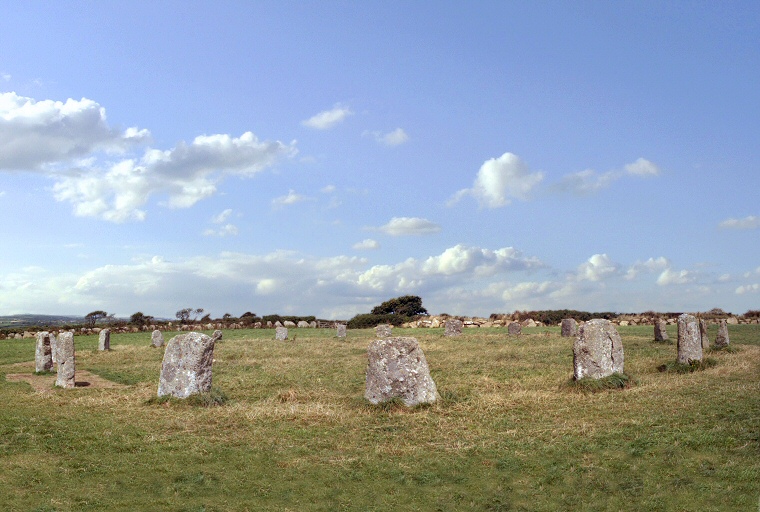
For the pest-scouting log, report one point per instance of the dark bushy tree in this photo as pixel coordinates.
(90, 319)
(408, 305)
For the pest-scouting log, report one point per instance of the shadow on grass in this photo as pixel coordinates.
(611, 382)
(690, 367)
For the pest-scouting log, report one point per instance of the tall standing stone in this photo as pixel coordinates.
(383, 331)
(54, 348)
(186, 368)
(514, 329)
(721, 340)
(280, 333)
(43, 356)
(452, 327)
(689, 339)
(397, 368)
(569, 327)
(217, 335)
(66, 360)
(703, 334)
(598, 350)
(104, 339)
(660, 330)
(157, 339)
(341, 330)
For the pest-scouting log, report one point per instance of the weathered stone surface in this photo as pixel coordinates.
(53, 349)
(598, 350)
(186, 368)
(66, 360)
(278, 324)
(303, 324)
(157, 339)
(384, 331)
(288, 323)
(569, 327)
(281, 333)
(514, 329)
(703, 334)
(341, 330)
(732, 320)
(43, 355)
(721, 340)
(452, 327)
(660, 330)
(529, 323)
(397, 368)
(217, 336)
(689, 339)
(104, 339)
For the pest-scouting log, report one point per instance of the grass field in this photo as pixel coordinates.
(508, 433)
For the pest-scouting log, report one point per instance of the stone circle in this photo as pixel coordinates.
(598, 350)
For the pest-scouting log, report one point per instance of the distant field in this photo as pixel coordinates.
(297, 434)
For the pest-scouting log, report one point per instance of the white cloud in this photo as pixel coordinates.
(329, 189)
(393, 138)
(222, 231)
(400, 226)
(669, 277)
(749, 288)
(480, 262)
(499, 180)
(651, 265)
(222, 217)
(749, 222)
(642, 167)
(367, 245)
(597, 268)
(589, 181)
(289, 199)
(328, 118)
(6, 77)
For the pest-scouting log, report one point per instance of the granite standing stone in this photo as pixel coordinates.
(453, 327)
(384, 331)
(341, 330)
(660, 330)
(186, 368)
(721, 340)
(397, 368)
(703, 334)
(54, 348)
(281, 333)
(104, 339)
(217, 336)
(569, 327)
(303, 324)
(66, 361)
(157, 339)
(43, 355)
(689, 339)
(514, 329)
(598, 350)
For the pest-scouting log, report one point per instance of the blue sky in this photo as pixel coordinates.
(318, 158)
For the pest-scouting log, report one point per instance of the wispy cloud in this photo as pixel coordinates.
(404, 226)
(749, 222)
(590, 181)
(393, 138)
(291, 198)
(328, 118)
(367, 245)
(222, 231)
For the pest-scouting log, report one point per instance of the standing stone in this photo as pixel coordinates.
(104, 340)
(186, 368)
(281, 333)
(721, 340)
(569, 327)
(384, 331)
(397, 368)
(277, 324)
(43, 356)
(689, 339)
(452, 327)
(217, 336)
(303, 324)
(598, 350)
(514, 329)
(703, 334)
(66, 363)
(157, 339)
(53, 348)
(341, 330)
(660, 330)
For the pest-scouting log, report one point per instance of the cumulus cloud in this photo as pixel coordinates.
(480, 262)
(748, 288)
(222, 231)
(290, 198)
(651, 265)
(597, 268)
(670, 277)
(749, 222)
(642, 167)
(393, 138)
(328, 118)
(402, 226)
(367, 245)
(500, 180)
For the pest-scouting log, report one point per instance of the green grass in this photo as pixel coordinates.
(295, 432)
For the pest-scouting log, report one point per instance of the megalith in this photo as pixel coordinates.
(217, 336)
(281, 333)
(43, 355)
(721, 340)
(569, 327)
(104, 339)
(689, 339)
(397, 368)
(157, 339)
(660, 330)
(341, 330)
(66, 362)
(384, 331)
(514, 329)
(452, 327)
(598, 350)
(703, 334)
(186, 368)
(53, 348)
(303, 324)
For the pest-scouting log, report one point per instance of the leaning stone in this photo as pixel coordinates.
(598, 350)
(281, 333)
(660, 330)
(217, 336)
(384, 331)
(452, 327)
(157, 339)
(186, 368)
(66, 360)
(721, 340)
(43, 356)
(341, 330)
(514, 329)
(689, 339)
(104, 339)
(703, 334)
(397, 368)
(569, 327)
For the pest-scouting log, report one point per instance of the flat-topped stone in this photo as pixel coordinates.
(598, 350)
(186, 368)
(397, 368)
(66, 361)
(43, 355)
(689, 339)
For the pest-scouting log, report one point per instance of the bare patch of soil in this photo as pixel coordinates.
(45, 383)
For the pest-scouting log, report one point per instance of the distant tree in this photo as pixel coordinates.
(206, 319)
(140, 319)
(183, 315)
(227, 317)
(247, 314)
(196, 313)
(408, 305)
(90, 319)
